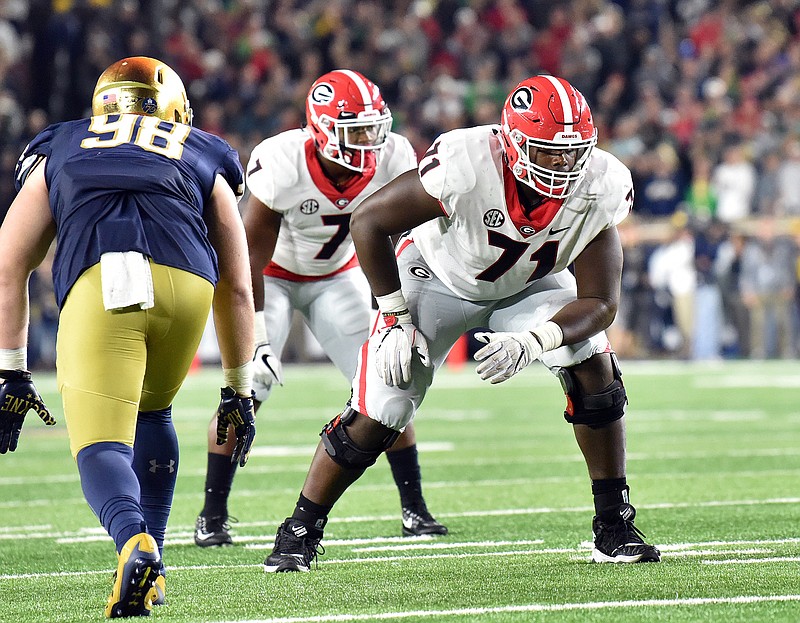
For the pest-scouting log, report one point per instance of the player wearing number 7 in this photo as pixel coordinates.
(149, 237)
(496, 214)
(304, 185)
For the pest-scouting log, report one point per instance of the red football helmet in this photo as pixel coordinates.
(348, 119)
(547, 113)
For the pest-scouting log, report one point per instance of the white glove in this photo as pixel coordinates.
(505, 354)
(393, 354)
(267, 367)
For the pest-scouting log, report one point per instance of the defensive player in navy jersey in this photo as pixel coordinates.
(149, 238)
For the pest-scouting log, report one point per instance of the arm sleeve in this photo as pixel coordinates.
(33, 154)
(233, 173)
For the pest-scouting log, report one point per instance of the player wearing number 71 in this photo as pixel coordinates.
(496, 214)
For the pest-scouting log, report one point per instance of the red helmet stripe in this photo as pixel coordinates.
(566, 103)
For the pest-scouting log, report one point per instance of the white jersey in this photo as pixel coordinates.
(314, 239)
(484, 247)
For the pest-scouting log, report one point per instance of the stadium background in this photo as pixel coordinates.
(701, 99)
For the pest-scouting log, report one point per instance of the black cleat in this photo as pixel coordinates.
(418, 521)
(134, 579)
(618, 540)
(294, 549)
(211, 531)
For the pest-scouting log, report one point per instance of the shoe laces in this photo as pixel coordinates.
(623, 531)
(217, 523)
(310, 547)
(634, 535)
(420, 514)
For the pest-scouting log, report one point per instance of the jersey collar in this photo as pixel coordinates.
(340, 197)
(541, 216)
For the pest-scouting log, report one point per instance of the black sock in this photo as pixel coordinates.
(311, 514)
(407, 477)
(219, 479)
(609, 494)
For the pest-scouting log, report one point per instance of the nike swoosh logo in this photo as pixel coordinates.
(554, 231)
(203, 536)
(408, 522)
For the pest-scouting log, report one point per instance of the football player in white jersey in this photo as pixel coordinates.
(304, 185)
(496, 215)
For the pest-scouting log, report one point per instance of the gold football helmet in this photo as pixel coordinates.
(142, 86)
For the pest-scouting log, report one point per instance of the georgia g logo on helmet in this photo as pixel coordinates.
(521, 99)
(322, 94)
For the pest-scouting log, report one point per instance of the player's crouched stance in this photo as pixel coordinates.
(495, 217)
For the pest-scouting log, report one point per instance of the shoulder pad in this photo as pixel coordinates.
(274, 165)
(609, 180)
(450, 165)
(399, 154)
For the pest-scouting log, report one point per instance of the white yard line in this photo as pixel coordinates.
(684, 550)
(752, 561)
(182, 537)
(593, 605)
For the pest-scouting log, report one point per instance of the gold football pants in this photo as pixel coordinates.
(112, 364)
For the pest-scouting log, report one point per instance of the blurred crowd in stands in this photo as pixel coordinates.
(700, 98)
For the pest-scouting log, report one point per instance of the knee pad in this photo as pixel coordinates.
(594, 410)
(343, 450)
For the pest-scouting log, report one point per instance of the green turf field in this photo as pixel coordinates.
(714, 468)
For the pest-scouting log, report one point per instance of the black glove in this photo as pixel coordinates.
(17, 397)
(233, 410)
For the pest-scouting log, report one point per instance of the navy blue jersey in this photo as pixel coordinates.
(130, 183)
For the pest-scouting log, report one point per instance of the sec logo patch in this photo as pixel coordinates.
(309, 206)
(494, 218)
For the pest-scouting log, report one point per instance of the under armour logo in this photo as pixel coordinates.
(155, 466)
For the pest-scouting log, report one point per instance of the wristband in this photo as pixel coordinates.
(394, 308)
(14, 358)
(260, 329)
(239, 379)
(549, 335)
